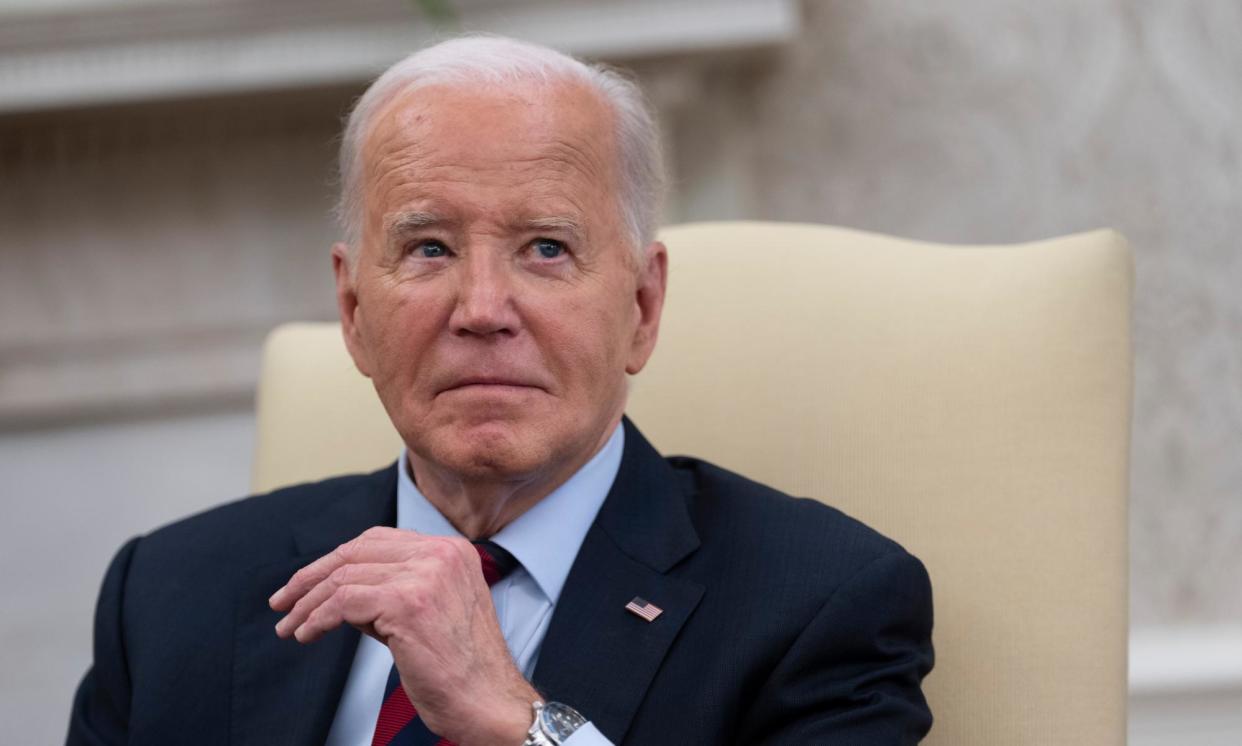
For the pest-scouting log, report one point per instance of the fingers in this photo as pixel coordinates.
(358, 605)
(378, 544)
(368, 574)
(380, 557)
(424, 597)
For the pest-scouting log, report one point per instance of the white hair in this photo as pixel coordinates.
(501, 61)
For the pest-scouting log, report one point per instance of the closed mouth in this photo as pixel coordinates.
(490, 383)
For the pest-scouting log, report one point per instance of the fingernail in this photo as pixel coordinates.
(275, 597)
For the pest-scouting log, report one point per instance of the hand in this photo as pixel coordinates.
(425, 598)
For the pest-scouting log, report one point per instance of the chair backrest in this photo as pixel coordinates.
(971, 402)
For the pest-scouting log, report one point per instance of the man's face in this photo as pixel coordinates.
(496, 303)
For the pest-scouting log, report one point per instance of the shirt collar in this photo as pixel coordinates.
(546, 538)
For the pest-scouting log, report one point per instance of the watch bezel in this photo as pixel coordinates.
(559, 721)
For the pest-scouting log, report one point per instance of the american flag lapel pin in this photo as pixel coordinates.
(643, 609)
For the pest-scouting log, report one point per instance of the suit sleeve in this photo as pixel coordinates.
(853, 676)
(100, 712)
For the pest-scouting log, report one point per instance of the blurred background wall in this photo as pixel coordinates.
(166, 175)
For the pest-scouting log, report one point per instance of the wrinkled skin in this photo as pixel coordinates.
(497, 306)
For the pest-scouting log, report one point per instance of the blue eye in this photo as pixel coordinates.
(549, 248)
(431, 250)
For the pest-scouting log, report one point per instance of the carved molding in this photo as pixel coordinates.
(153, 233)
(125, 52)
(1185, 685)
(76, 379)
(147, 250)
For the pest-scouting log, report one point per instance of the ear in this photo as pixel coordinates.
(347, 306)
(649, 298)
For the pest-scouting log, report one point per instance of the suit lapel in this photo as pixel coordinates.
(597, 656)
(285, 692)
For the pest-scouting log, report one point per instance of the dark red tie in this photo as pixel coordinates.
(399, 724)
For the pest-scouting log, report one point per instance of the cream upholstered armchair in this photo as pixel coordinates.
(971, 402)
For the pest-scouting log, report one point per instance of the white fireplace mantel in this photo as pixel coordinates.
(59, 53)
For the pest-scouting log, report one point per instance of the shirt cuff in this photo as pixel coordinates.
(587, 735)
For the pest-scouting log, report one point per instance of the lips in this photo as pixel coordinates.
(489, 381)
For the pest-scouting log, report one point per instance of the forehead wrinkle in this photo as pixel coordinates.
(594, 160)
(384, 176)
(578, 143)
(403, 148)
(383, 151)
(583, 157)
(541, 194)
(557, 121)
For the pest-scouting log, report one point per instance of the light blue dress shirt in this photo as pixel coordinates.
(545, 540)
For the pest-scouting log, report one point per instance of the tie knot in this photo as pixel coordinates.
(497, 562)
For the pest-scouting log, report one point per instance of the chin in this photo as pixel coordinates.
(494, 450)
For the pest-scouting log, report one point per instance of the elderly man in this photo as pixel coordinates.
(531, 571)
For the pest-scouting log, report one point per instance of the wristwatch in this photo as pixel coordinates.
(554, 724)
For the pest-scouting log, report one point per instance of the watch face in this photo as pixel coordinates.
(560, 721)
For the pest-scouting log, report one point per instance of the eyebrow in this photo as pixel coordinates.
(406, 221)
(555, 223)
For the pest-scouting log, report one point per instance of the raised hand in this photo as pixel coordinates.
(426, 599)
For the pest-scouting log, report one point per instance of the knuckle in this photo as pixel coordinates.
(466, 552)
(345, 551)
(309, 615)
(409, 571)
(299, 577)
(343, 597)
(342, 575)
(416, 600)
(444, 550)
(299, 610)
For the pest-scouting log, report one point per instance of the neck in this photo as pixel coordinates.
(480, 507)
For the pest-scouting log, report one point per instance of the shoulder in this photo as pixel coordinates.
(737, 517)
(724, 501)
(251, 527)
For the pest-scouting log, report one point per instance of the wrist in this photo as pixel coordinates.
(504, 722)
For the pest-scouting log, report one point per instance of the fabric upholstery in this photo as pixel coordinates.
(972, 402)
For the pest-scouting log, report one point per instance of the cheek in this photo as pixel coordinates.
(399, 325)
(593, 338)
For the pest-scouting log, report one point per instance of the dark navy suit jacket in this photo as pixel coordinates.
(784, 621)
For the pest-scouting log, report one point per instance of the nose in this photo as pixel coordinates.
(485, 302)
